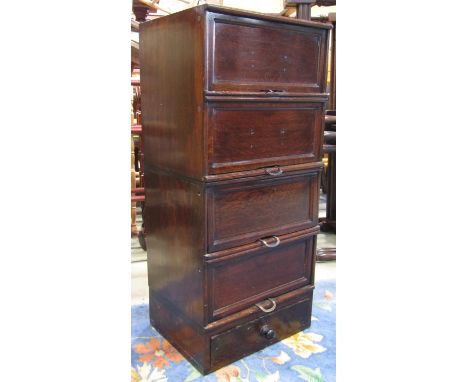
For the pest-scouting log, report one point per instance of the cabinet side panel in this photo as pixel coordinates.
(171, 60)
(174, 223)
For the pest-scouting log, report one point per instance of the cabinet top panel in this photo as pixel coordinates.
(263, 16)
(243, 13)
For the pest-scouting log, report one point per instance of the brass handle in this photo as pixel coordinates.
(274, 170)
(275, 244)
(267, 310)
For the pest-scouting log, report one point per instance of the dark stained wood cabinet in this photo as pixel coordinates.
(232, 104)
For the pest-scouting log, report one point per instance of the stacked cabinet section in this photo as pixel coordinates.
(232, 104)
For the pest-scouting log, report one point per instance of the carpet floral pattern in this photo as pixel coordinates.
(308, 355)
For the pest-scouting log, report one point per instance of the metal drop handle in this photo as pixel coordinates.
(275, 244)
(267, 310)
(274, 171)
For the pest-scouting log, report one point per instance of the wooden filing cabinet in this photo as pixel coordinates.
(232, 104)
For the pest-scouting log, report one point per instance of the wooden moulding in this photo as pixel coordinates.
(240, 176)
(257, 246)
(220, 96)
(254, 312)
(261, 172)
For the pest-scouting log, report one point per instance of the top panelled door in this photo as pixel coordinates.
(254, 55)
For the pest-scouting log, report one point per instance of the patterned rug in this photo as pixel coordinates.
(308, 355)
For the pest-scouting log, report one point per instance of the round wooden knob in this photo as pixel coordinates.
(267, 332)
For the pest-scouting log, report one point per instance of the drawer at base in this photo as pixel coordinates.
(255, 335)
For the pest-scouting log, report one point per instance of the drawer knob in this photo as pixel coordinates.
(274, 171)
(267, 310)
(267, 332)
(272, 245)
